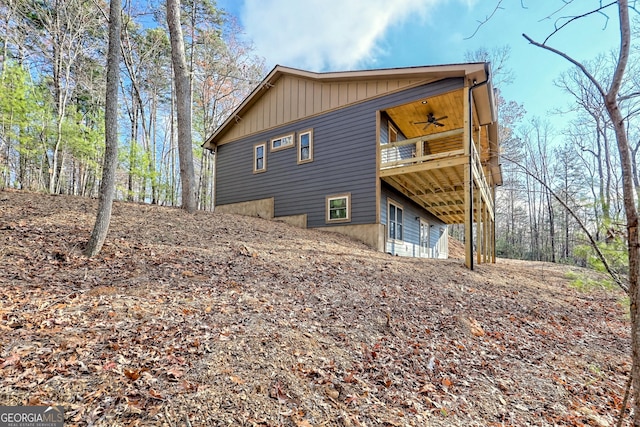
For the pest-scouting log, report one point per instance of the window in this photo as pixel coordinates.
(425, 244)
(393, 134)
(282, 142)
(260, 157)
(395, 221)
(339, 208)
(390, 154)
(305, 146)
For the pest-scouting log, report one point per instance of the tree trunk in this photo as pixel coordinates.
(631, 211)
(108, 183)
(183, 106)
(132, 150)
(153, 135)
(610, 98)
(633, 245)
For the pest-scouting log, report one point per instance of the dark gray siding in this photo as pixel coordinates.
(344, 153)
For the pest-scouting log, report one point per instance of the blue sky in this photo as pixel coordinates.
(332, 35)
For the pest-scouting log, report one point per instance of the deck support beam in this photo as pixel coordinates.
(454, 185)
(468, 179)
(479, 226)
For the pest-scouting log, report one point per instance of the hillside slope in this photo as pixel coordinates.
(212, 319)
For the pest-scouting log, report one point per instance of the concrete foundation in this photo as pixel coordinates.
(263, 208)
(371, 234)
(299, 221)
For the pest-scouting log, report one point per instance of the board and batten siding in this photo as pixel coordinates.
(344, 161)
(294, 97)
(412, 214)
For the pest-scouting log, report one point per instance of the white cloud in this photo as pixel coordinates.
(322, 35)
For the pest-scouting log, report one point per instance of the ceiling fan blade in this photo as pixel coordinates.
(441, 118)
(419, 123)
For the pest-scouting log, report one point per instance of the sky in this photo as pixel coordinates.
(338, 35)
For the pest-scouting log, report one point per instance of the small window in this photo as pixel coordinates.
(339, 208)
(305, 146)
(260, 158)
(393, 134)
(395, 221)
(282, 142)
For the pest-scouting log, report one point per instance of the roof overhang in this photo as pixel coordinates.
(474, 73)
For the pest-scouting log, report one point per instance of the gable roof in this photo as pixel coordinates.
(289, 94)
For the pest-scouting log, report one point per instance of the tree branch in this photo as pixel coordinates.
(487, 19)
(628, 96)
(565, 4)
(623, 57)
(570, 59)
(575, 18)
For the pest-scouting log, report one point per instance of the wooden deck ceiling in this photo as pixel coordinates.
(429, 166)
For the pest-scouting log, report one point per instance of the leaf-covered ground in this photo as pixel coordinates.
(219, 320)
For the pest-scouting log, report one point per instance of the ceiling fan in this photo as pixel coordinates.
(431, 120)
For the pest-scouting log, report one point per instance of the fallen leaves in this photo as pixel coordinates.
(133, 374)
(12, 360)
(472, 326)
(261, 325)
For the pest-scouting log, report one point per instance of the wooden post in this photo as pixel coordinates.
(479, 223)
(493, 227)
(487, 240)
(468, 179)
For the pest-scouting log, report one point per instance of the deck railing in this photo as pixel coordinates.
(412, 151)
(480, 178)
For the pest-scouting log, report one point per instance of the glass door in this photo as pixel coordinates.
(424, 239)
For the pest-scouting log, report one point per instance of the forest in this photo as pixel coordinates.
(53, 72)
(560, 183)
(563, 187)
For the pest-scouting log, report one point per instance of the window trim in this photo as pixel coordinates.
(300, 134)
(283, 147)
(328, 199)
(397, 206)
(391, 129)
(264, 157)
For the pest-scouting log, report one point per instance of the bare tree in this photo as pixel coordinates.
(610, 99)
(593, 121)
(183, 106)
(108, 183)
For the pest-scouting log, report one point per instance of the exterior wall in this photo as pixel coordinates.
(262, 208)
(344, 161)
(410, 244)
(370, 234)
(295, 97)
(299, 221)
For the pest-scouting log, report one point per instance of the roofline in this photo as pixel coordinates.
(473, 70)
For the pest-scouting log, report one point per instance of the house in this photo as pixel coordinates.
(388, 156)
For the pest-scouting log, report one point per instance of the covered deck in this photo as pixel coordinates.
(446, 159)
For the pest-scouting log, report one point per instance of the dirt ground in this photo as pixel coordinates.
(221, 320)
